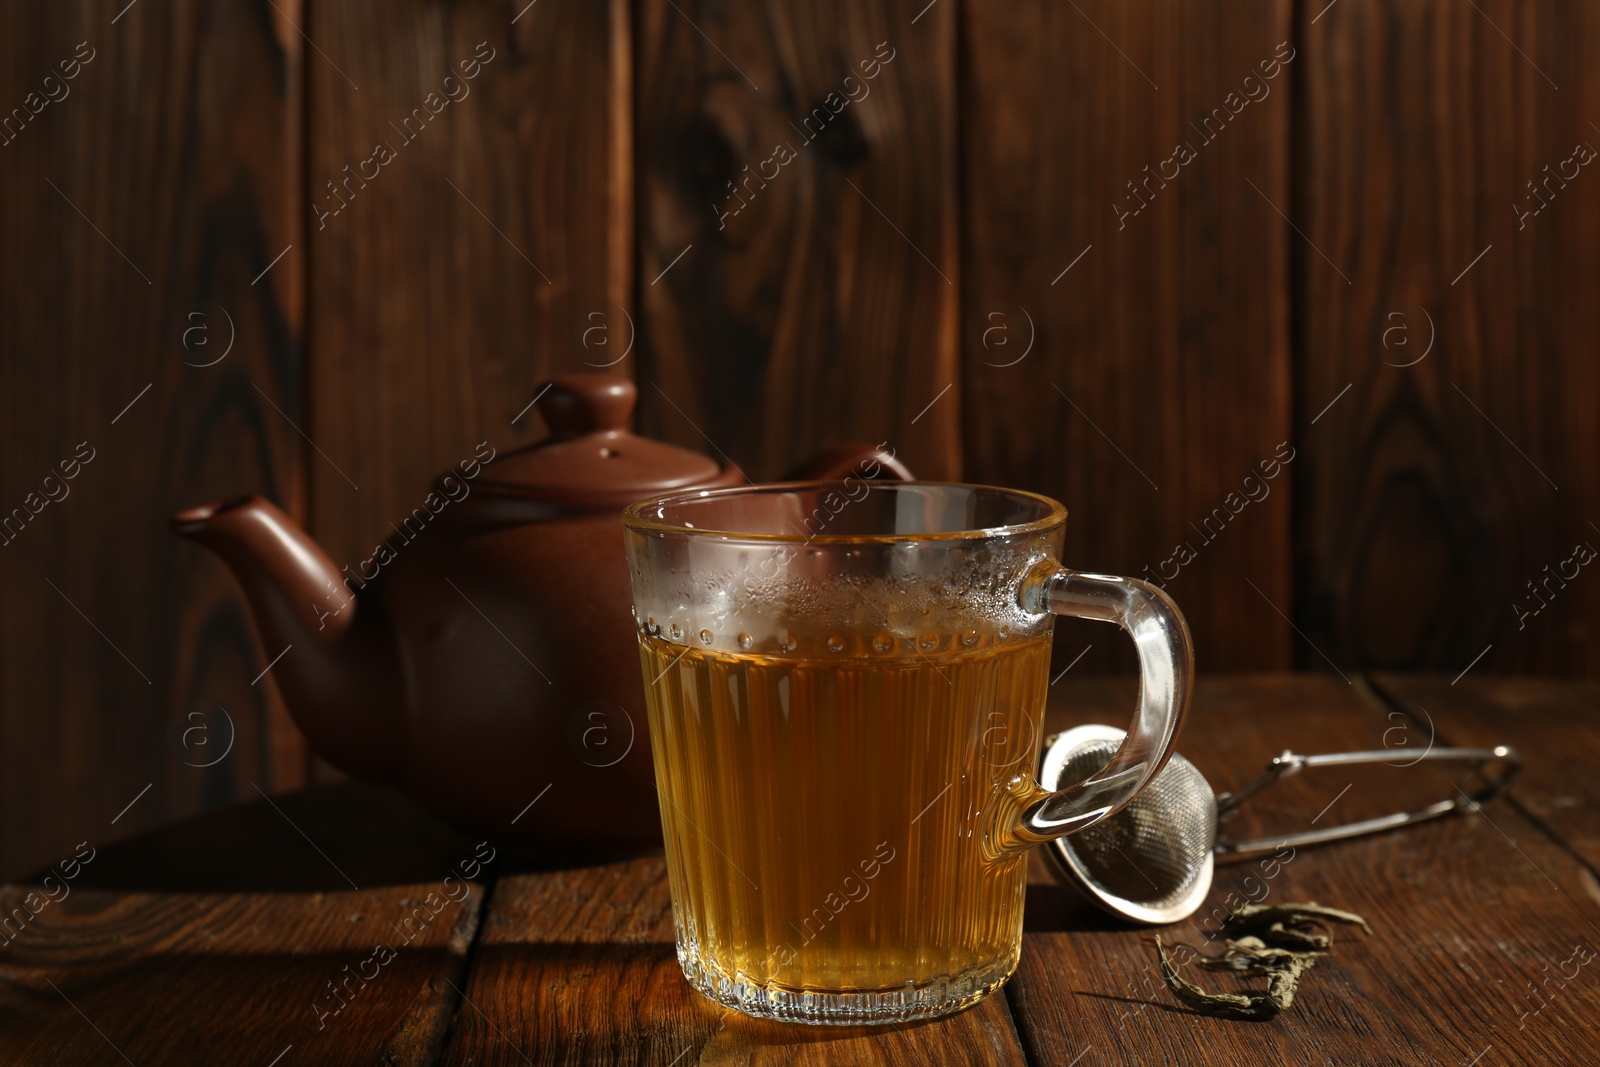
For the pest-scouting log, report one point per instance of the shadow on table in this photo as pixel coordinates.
(1053, 908)
(325, 838)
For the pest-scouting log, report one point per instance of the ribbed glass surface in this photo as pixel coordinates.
(824, 813)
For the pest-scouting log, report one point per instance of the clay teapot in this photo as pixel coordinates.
(485, 659)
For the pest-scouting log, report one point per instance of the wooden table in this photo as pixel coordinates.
(224, 939)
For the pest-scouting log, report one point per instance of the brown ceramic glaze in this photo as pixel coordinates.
(491, 660)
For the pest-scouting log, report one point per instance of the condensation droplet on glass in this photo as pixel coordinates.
(1005, 632)
(882, 643)
(788, 644)
(928, 641)
(676, 632)
(746, 641)
(650, 625)
(836, 644)
(705, 637)
(969, 638)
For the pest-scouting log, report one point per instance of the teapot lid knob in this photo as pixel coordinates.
(578, 404)
(590, 462)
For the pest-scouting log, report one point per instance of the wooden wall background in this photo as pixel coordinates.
(1339, 267)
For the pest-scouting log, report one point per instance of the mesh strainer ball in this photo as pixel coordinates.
(1151, 862)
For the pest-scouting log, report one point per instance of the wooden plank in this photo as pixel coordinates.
(1462, 335)
(1552, 723)
(1469, 913)
(249, 971)
(578, 967)
(136, 241)
(1125, 332)
(254, 963)
(798, 229)
(464, 273)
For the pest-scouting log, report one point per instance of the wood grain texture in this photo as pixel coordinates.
(1549, 722)
(1466, 912)
(823, 307)
(1437, 490)
(222, 932)
(578, 967)
(140, 205)
(446, 287)
(1125, 332)
(176, 978)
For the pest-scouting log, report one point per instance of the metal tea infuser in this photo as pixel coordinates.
(1153, 861)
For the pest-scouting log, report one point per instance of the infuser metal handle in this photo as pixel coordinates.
(1506, 759)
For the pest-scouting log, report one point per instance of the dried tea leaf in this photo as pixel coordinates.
(1251, 956)
(1280, 942)
(1298, 940)
(1283, 981)
(1253, 1007)
(1252, 916)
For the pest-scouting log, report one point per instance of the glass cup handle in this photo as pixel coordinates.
(1166, 674)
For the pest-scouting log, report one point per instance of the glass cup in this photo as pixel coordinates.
(846, 687)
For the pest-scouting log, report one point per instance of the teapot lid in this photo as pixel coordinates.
(590, 456)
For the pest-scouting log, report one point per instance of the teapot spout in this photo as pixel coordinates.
(329, 666)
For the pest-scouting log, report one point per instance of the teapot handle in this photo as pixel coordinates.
(862, 460)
